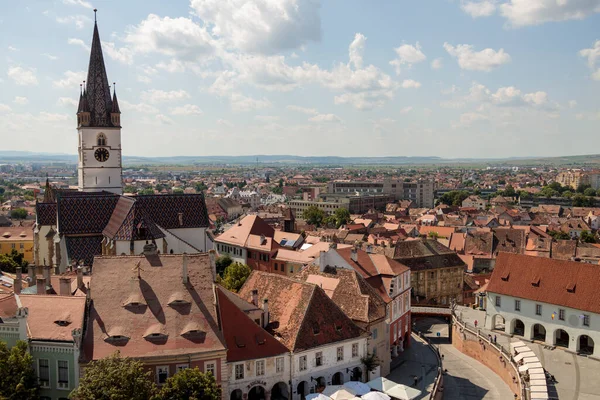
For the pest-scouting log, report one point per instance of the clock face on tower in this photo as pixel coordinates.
(101, 154)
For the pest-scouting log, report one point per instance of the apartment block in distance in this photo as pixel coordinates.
(355, 203)
(420, 192)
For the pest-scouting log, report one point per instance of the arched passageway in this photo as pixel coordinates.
(539, 332)
(302, 389)
(257, 393)
(585, 345)
(561, 338)
(518, 328)
(337, 379)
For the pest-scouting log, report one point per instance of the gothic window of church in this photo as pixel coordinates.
(101, 139)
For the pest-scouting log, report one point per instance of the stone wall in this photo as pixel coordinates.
(478, 347)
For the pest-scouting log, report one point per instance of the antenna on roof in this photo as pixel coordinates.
(95, 10)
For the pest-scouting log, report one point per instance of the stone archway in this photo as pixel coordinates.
(561, 338)
(320, 384)
(303, 390)
(236, 395)
(356, 374)
(257, 393)
(518, 327)
(539, 332)
(337, 379)
(279, 391)
(498, 323)
(585, 345)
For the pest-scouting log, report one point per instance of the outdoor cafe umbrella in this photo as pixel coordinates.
(375, 396)
(317, 396)
(342, 394)
(381, 384)
(403, 392)
(331, 389)
(357, 388)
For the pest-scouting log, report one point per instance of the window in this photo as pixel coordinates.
(276, 267)
(162, 374)
(210, 367)
(63, 374)
(239, 371)
(538, 309)
(340, 353)
(13, 245)
(318, 358)
(279, 366)
(260, 368)
(374, 334)
(517, 305)
(101, 139)
(302, 362)
(586, 320)
(44, 373)
(21, 245)
(354, 350)
(181, 367)
(291, 269)
(561, 314)
(498, 301)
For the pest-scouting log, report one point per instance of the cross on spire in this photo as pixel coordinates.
(138, 268)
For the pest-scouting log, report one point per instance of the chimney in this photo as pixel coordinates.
(41, 285)
(150, 249)
(79, 278)
(47, 275)
(213, 263)
(354, 254)
(18, 282)
(255, 297)
(184, 273)
(322, 262)
(32, 277)
(262, 239)
(265, 313)
(180, 217)
(65, 286)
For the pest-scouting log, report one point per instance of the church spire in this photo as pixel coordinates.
(97, 90)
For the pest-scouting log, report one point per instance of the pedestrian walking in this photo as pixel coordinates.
(475, 323)
(495, 339)
(416, 380)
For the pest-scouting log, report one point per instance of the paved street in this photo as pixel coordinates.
(466, 378)
(577, 376)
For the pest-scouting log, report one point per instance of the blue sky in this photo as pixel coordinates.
(461, 78)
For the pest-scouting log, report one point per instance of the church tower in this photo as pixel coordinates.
(99, 128)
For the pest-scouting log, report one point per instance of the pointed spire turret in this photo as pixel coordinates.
(115, 102)
(49, 192)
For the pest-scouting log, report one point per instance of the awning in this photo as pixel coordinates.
(531, 360)
(539, 396)
(539, 388)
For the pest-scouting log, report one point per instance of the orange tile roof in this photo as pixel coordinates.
(115, 284)
(46, 310)
(239, 234)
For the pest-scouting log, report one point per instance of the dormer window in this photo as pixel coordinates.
(101, 139)
(155, 332)
(134, 300)
(61, 322)
(177, 299)
(505, 276)
(571, 287)
(535, 281)
(316, 329)
(117, 338)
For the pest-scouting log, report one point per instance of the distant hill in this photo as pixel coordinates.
(35, 157)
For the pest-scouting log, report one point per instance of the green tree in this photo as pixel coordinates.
(509, 190)
(190, 384)
(314, 215)
(454, 197)
(201, 187)
(18, 213)
(222, 263)
(341, 217)
(234, 276)
(146, 191)
(589, 192)
(10, 262)
(567, 193)
(177, 191)
(115, 378)
(130, 189)
(587, 237)
(558, 235)
(581, 188)
(370, 361)
(18, 379)
(580, 200)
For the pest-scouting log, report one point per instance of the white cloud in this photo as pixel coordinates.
(4, 108)
(172, 66)
(80, 21)
(304, 110)
(82, 3)
(71, 79)
(144, 79)
(406, 110)
(179, 37)
(11, 48)
(20, 100)
(593, 56)
(78, 42)
(163, 119)
(141, 107)
(409, 83)
(187, 109)
(534, 12)
(123, 55)
(467, 119)
(160, 96)
(572, 103)
(481, 8)
(261, 26)
(450, 90)
(266, 118)
(224, 122)
(52, 117)
(436, 64)
(325, 118)
(507, 95)
(356, 50)
(407, 56)
(239, 102)
(50, 57)
(484, 60)
(67, 102)
(22, 76)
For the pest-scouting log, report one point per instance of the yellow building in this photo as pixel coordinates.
(19, 238)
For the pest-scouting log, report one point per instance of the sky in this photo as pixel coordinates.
(447, 78)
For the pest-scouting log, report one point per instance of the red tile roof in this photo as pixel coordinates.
(245, 339)
(45, 312)
(555, 276)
